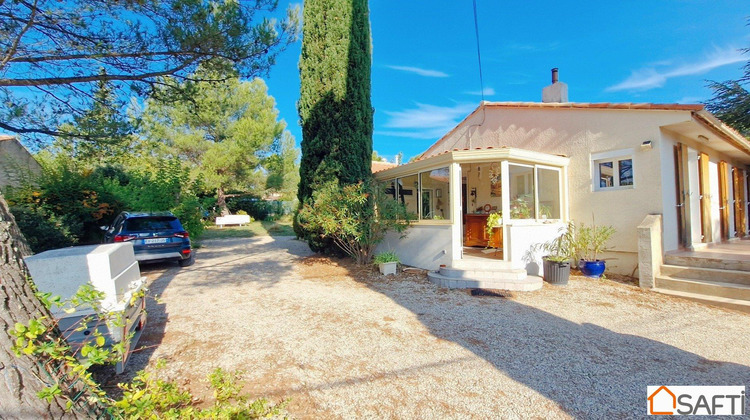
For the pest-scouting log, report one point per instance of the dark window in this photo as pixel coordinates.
(606, 178)
(626, 172)
(151, 224)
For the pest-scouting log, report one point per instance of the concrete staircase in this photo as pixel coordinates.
(484, 274)
(715, 281)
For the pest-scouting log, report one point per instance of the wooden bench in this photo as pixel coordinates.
(232, 219)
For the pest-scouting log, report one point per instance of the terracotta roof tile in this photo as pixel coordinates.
(598, 105)
(381, 166)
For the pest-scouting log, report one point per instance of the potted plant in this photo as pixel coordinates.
(589, 242)
(494, 220)
(558, 255)
(387, 262)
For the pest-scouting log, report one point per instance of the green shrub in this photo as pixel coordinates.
(74, 202)
(74, 199)
(257, 208)
(148, 397)
(355, 217)
(41, 230)
(190, 214)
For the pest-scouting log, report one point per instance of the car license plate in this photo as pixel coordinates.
(154, 241)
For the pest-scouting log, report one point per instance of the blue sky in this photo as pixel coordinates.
(425, 76)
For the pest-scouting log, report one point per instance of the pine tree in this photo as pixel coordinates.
(334, 107)
(101, 134)
(731, 101)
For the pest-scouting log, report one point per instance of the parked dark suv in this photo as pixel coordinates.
(155, 236)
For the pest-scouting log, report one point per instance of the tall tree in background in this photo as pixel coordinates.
(334, 106)
(100, 134)
(52, 53)
(731, 101)
(283, 170)
(225, 132)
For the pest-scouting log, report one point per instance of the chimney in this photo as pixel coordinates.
(557, 91)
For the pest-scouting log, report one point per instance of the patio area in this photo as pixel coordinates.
(729, 255)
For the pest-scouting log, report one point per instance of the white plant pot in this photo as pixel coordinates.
(388, 268)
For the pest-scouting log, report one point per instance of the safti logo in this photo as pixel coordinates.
(696, 400)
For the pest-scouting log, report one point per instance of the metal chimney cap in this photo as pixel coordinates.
(554, 75)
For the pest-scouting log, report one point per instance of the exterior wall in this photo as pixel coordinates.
(670, 236)
(425, 246)
(579, 134)
(16, 163)
(523, 244)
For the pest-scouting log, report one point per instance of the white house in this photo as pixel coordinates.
(544, 163)
(17, 165)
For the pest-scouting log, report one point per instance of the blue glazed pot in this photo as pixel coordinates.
(593, 269)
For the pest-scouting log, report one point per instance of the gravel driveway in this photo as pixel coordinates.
(304, 328)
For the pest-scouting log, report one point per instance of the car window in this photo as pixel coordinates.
(151, 224)
(116, 224)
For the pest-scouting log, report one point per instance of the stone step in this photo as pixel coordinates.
(480, 264)
(486, 273)
(736, 304)
(705, 287)
(705, 262)
(712, 274)
(527, 284)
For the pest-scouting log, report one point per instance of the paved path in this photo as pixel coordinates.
(303, 328)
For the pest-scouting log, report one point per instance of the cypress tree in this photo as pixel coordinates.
(334, 106)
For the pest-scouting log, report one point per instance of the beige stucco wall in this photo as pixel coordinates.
(16, 164)
(425, 246)
(578, 134)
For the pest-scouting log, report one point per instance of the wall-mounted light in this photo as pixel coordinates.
(701, 137)
(647, 145)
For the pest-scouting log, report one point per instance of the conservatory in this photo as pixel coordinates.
(492, 204)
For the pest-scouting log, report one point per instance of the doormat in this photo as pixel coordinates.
(491, 293)
(491, 250)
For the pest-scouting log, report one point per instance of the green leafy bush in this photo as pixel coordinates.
(190, 214)
(67, 204)
(42, 231)
(256, 207)
(149, 397)
(73, 198)
(355, 217)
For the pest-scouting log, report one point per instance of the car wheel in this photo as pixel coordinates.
(187, 262)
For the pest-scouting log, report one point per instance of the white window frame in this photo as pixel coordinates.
(559, 189)
(614, 157)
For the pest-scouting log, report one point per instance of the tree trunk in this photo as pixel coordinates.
(22, 377)
(221, 201)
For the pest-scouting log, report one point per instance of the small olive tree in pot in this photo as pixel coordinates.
(589, 242)
(558, 255)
